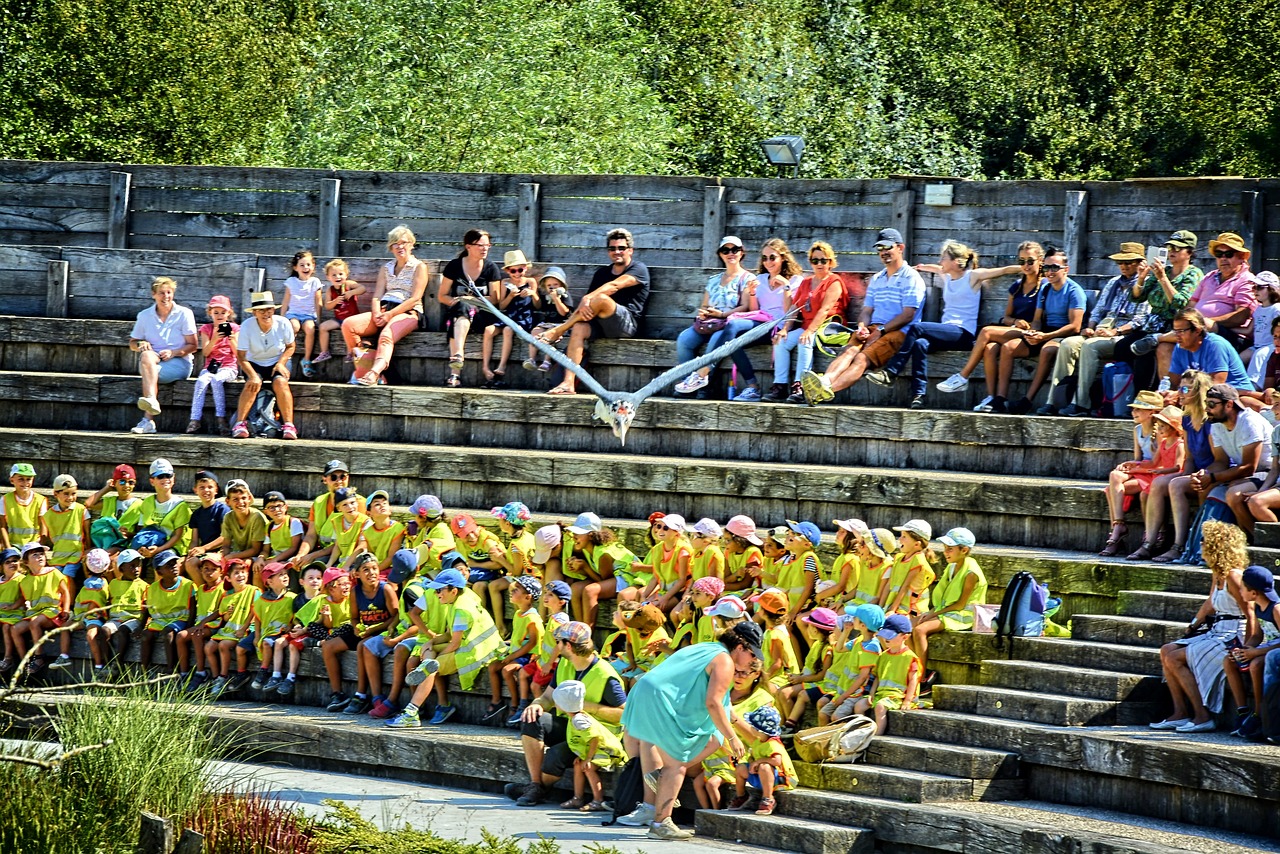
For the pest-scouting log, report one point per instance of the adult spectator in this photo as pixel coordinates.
(164, 337)
(547, 754)
(679, 714)
(894, 301)
(726, 293)
(1024, 296)
(1059, 315)
(265, 349)
(611, 308)
(818, 300)
(1264, 369)
(1114, 316)
(397, 301)
(1193, 666)
(1167, 289)
(1201, 350)
(472, 268)
(1262, 504)
(1225, 296)
(962, 280)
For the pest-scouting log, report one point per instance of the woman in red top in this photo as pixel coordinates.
(820, 297)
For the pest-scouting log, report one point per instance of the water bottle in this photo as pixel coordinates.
(733, 382)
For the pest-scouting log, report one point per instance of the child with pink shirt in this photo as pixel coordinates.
(218, 342)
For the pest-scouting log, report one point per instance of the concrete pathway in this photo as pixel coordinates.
(452, 813)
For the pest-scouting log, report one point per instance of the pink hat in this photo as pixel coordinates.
(219, 301)
(331, 575)
(821, 618)
(462, 524)
(710, 585)
(545, 541)
(731, 607)
(743, 526)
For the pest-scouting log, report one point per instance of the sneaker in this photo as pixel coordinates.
(240, 431)
(1192, 726)
(419, 674)
(358, 706)
(382, 710)
(666, 829)
(197, 682)
(776, 393)
(984, 405)
(405, 720)
(1169, 725)
(514, 721)
(816, 388)
(1073, 411)
(1021, 406)
(272, 684)
(1144, 345)
(289, 431)
(1047, 409)
(260, 681)
(797, 394)
(917, 402)
(307, 370)
(879, 377)
(61, 662)
(323, 356)
(738, 802)
(217, 687)
(337, 702)
(443, 713)
(286, 687)
(545, 366)
(534, 794)
(146, 426)
(514, 791)
(692, 383)
(238, 680)
(149, 405)
(750, 394)
(999, 405)
(642, 816)
(953, 383)
(529, 365)
(496, 713)
(766, 806)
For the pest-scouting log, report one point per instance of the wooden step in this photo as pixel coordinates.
(1066, 652)
(1036, 707)
(954, 760)
(1159, 605)
(784, 833)
(1136, 631)
(1037, 676)
(876, 781)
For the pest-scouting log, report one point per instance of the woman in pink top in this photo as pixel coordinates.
(1225, 296)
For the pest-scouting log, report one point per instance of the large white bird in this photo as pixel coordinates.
(618, 409)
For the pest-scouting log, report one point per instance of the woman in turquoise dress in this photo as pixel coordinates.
(679, 714)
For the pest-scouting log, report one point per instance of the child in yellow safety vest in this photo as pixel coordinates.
(852, 672)
(48, 596)
(897, 673)
(22, 511)
(92, 606)
(272, 614)
(805, 687)
(526, 634)
(906, 591)
(595, 747)
(170, 609)
(192, 640)
(12, 607)
(766, 767)
(67, 521)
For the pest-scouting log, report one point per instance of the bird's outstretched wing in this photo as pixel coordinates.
(546, 349)
(681, 371)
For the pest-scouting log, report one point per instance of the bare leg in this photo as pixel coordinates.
(284, 397)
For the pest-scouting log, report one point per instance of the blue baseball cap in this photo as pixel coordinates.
(166, 556)
(808, 530)
(9, 554)
(530, 584)
(452, 558)
(404, 565)
(128, 556)
(560, 589)
(894, 625)
(888, 237)
(872, 616)
(448, 578)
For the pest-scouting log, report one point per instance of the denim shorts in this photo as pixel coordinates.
(247, 643)
(478, 575)
(174, 370)
(113, 626)
(92, 623)
(71, 570)
(299, 316)
(378, 645)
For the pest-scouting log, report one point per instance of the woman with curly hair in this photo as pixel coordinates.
(1193, 666)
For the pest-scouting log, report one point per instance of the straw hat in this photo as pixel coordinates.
(1148, 400)
(1172, 416)
(514, 258)
(1129, 252)
(1229, 240)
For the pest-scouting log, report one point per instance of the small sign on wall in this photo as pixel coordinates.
(938, 194)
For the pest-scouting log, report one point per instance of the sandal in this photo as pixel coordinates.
(369, 379)
(574, 803)
(1115, 541)
(1171, 555)
(499, 380)
(1143, 552)
(561, 390)
(594, 806)
(454, 381)
(193, 426)
(456, 362)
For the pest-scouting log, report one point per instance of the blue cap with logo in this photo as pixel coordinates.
(448, 578)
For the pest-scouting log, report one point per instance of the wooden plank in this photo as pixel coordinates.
(1075, 220)
(25, 196)
(56, 296)
(155, 835)
(51, 238)
(226, 177)
(118, 211)
(439, 232)
(299, 229)
(251, 245)
(904, 202)
(529, 219)
(620, 211)
(457, 205)
(297, 201)
(962, 221)
(804, 216)
(664, 236)
(359, 185)
(330, 216)
(156, 262)
(253, 283)
(56, 172)
(713, 224)
(53, 219)
(656, 187)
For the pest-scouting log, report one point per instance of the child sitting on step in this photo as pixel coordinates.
(170, 609)
(1144, 410)
(743, 558)
(852, 672)
(272, 615)
(961, 584)
(668, 560)
(767, 766)
(515, 560)
(12, 607)
(876, 552)
(646, 638)
(428, 533)
(375, 608)
(399, 642)
(707, 560)
(780, 662)
(1259, 590)
(127, 594)
(328, 620)
(538, 672)
(235, 617)
(284, 533)
(341, 300)
(193, 639)
(526, 635)
(92, 606)
(218, 341)
(805, 687)
(897, 673)
(47, 593)
(906, 591)
(846, 569)
(595, 747)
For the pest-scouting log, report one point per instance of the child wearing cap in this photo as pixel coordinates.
(537, 674)
(163, 510)
(429, 533)
(482, 549)
(897, 673)
(774, 550)
(695, 625)
(766, 767)
(12, 606)
(128, 592)
(595, 747)
(805, 687)
(515, 560)
(668, 560)
(67, 522)
(376, 609)
(272, 614)
(707, 559)
(906, 590)
(779, 654)
(847, 566)
(205, 523)
(646, 640)
(22, 511)
(244, 529)
(743, 559)
(398, 641)
(515, 295)
(852, 670)
(1259, 591)
(383, 535)
(208, 600)
(235, 615)
(961, 584)
(48, 596)
(526, 635)
(799, 569)
(122, 481)
(169, 609)
(328, 619)
(548, 312)
(603, 570)
(218, 341)
(347, 525)
(876, 551)
(92, 606)
(284, 533)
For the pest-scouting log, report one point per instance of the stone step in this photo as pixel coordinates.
(937, 758)
(1159, 605)
(1136, 631)
(783, 833)
(1021, 510)
(1036, 707)
(875, 781)
(1267, 535)
(1036, 676)
(1066, 652)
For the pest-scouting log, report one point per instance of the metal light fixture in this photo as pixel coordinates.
(784, 151)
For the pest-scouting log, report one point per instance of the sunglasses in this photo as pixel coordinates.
(338, 476)
(619, 248)
(118, 482)
(731, 250)
(819, 260)
(516, 269)
(658, 526)
(1181, 331)
(162, 476)
(770, 257)
(1052, 268)
(1225, 253)
(1184, 389)
(1026, 262)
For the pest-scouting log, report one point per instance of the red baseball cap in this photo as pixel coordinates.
(463, 524)
(124, 472)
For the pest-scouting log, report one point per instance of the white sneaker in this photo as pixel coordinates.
(666, 829)
(953, 383)
(692, 383)
(146, 425)
(642, 817)
(1164, 385)
(149, 405)
(984, 405)
(419, 674)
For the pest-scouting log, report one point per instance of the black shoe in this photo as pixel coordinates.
(1020, 407)
(1073, 411)
(358, 706)
(535, 794)
(1047, 409)
(999, 405)
(1144, 345)
(337, 702)
(917, 402)
(238, 680)
(776, 393)
(797, 394)
(514, 791)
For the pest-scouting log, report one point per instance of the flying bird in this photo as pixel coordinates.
(618, 409)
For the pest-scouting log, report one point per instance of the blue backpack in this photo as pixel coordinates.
(1022, 612)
